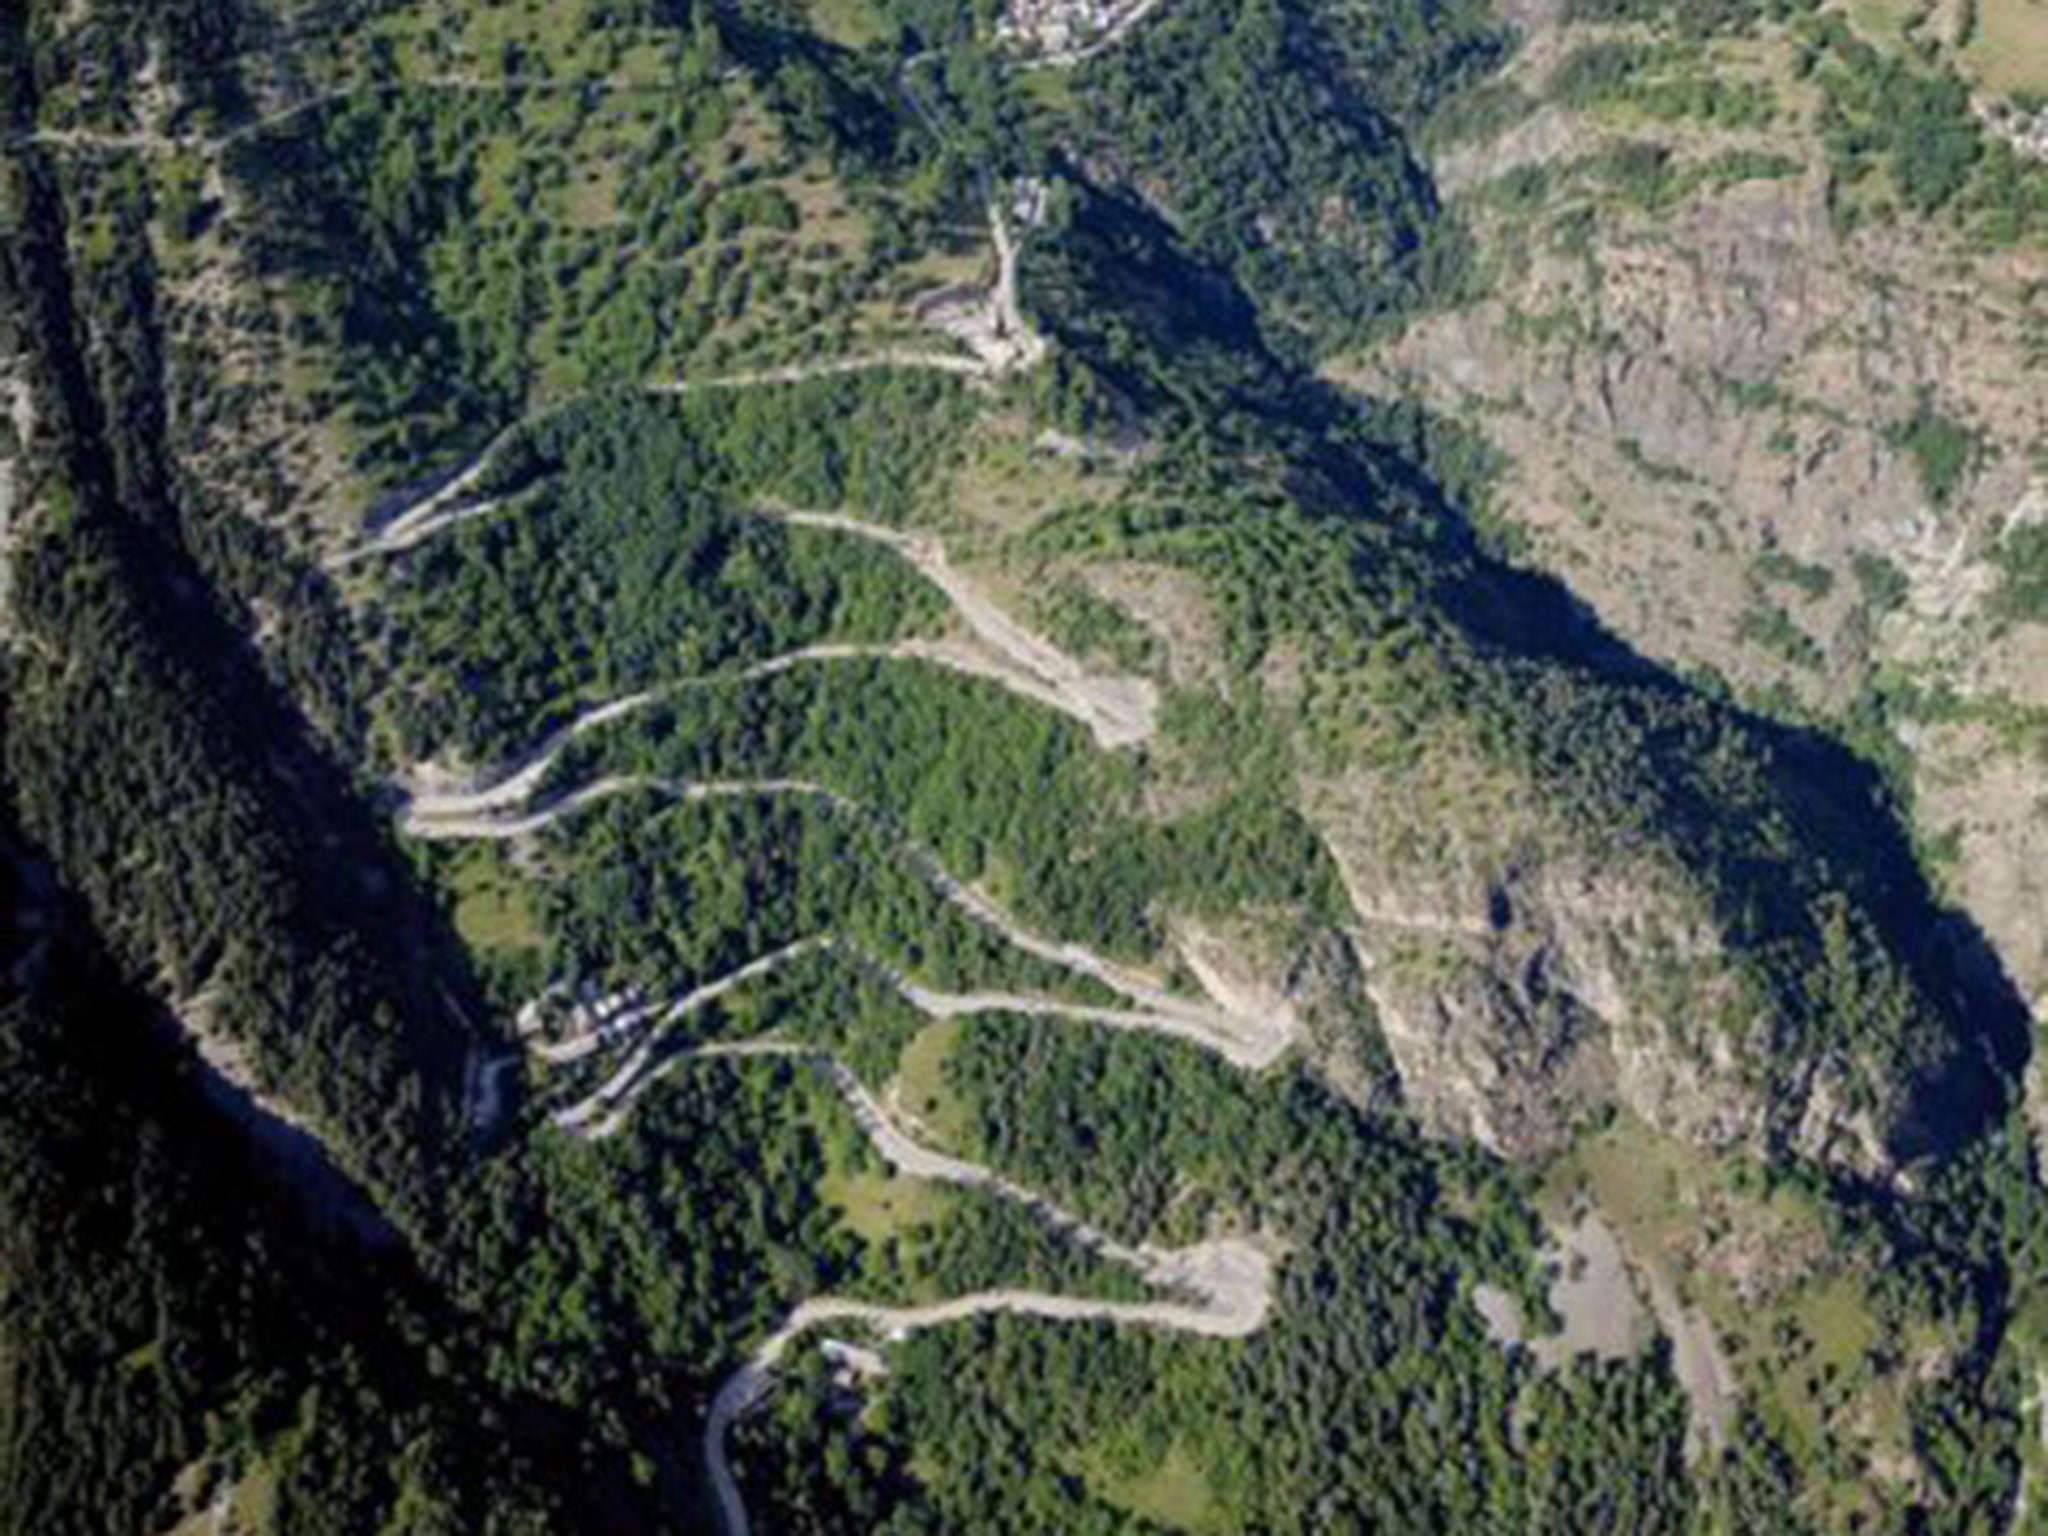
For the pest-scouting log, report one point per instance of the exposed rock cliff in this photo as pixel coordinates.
(1770, 442)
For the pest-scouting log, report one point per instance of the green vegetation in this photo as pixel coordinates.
(1084, 624)
(1269, 125)
(494, 910)
(1888, 113)
(628, 557)
(1369, 1330)
(612, 320)
(1811, 581)
(1896, 117)
(2022, 561)
(524, 213)
(1943, 450)
(1369, 582)
(462, 236)
(1482, 111)
(1883, 585)
(663, 899)
(179, 797)
(938, 757)
(1697, 18)
(175, 1315)
(1799, 1305)
(1663, 82)
(623, 1278)
(1647, 176)
(1918, 125)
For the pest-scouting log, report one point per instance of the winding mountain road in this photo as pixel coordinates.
(428, 802)
(1252, 1039)
(1228, 1282)
(1120, 711)
(441, 805)
(493, 827)
(1236, 1038)
(604, 1111)
(1000, 343)
(565, 1052)
(1223, 1316)
(444, 506)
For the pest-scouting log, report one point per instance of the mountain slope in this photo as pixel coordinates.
(747, 666)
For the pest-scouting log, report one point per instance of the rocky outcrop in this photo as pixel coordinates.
(1707, 413)
(1524, 981)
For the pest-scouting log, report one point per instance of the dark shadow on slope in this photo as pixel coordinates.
(1277, 160)
(825, 96)
(179, 1296)
(49, 961)
(1842, 813)
(1839, 816)
(161, 745)
(1180, 341)
(1169, 333)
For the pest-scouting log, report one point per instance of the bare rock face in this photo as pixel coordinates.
(1508, 1012)
(1234, 972)
(1487, 1055)
(1524, 982)
(1707, 413)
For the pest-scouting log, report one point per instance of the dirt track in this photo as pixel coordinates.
(1253, 1039)
(1121, 711)
(1228, 1282)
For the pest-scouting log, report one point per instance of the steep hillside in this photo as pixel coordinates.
(1761, 343)
(1095, 769)
(204, 1359)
